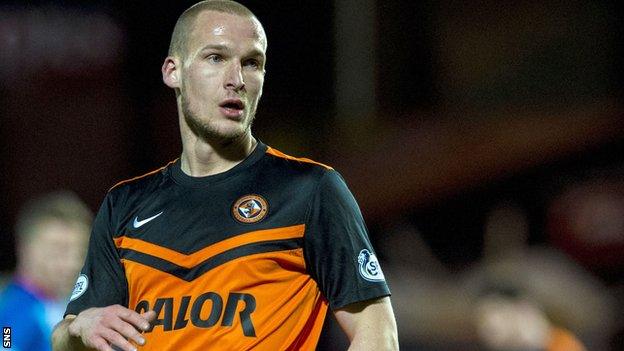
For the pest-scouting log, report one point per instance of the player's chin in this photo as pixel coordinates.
(229, 132)
(236, 128)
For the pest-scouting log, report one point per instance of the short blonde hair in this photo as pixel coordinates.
(62, 206)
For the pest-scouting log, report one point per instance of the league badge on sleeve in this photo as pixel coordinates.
(81, 286)
(369, 267)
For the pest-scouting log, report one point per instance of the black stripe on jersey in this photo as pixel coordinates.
(190, 274)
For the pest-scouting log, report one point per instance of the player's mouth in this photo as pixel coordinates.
(232, 108)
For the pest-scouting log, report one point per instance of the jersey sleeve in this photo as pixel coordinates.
(102, 281)
(337, 250)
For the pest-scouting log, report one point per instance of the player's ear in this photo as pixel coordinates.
(170, 72)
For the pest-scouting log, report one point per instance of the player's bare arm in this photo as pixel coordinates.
(369, 325)
(99, 328)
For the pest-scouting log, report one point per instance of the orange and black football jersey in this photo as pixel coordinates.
(247, 259)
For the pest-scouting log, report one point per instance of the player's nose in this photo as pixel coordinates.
(234, 77)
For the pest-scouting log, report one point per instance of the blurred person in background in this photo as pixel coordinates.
(507, 321)
(551, 288)
(516, 297)
(586, 220)
(434, 307)
(52, 232)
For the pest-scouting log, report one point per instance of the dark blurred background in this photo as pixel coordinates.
(435, 112)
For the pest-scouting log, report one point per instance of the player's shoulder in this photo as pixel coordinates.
(300, 170)
(297, 162)
(140, 181)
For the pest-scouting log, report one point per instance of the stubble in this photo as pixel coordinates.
(207, 129)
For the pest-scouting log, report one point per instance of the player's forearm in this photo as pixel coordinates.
(62, 340)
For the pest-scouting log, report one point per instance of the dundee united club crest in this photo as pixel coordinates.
(250, 208)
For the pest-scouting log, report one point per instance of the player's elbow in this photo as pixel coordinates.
(391, 340)
(383, 336)
(387, 338)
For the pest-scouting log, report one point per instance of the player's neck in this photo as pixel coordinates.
(200, 158)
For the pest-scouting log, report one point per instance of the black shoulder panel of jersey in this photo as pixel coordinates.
(337, 249)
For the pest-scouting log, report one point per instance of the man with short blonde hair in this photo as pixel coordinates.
(235, 245)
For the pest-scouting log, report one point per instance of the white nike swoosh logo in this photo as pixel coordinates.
(138, 223)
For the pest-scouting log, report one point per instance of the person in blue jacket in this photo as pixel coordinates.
(52, 232)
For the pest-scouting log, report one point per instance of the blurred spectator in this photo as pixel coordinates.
(432, 310)
(517, 297)
(556, 292)
(51, 234)
(587, 221)
(506, 321)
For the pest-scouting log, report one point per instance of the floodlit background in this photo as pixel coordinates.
(483, 140)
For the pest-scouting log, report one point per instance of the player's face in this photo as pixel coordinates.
(222, 75)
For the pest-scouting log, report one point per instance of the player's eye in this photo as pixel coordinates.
(251, 64)
(214, 58)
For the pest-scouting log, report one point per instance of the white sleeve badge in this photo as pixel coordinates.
(81, 286)
(369, 267)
